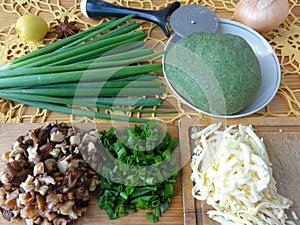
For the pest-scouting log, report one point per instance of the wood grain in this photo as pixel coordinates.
(174, 214)
(282, 139)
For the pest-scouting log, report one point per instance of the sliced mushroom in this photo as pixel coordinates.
(7, 214)
(45, 149)
(29, 212)
(37, 184)
(57, 136)
(61, 220)
(5, 178)
(5, 155)
(21, 177)
(38, 169)
(11, 200)
(78, 212)
(43, 135)
(15, 153)
(15, 167)
(26, 198)
(50, 164)
(66, 207)
(41, 203)
(33, 155)
(55, 153)
(61, 197)
(38, 220)
(43, 190)
(17, 146)
(32, 137)
(72, 175)
(29, 221)
(91, 148)
(46, 222)
(52, 196)
(47, 180)
(2, 194)
(93, 184)
(49, 216)
(75, 140)
(27, 185)
(92, 136)
(63, 164)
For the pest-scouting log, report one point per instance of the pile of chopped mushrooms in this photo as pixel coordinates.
(45, 178)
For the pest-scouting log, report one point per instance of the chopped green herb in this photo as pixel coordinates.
(138, 171)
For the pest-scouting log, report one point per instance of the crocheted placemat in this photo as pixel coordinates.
(285, 40)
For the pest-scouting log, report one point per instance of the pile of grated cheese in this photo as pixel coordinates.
(231, 171)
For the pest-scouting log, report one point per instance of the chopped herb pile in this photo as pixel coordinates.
(138, 171)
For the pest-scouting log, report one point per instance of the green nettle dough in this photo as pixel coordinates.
(216, 72)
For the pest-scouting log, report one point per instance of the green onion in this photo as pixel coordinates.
(74, 54)
(96, 102)
(95, 50)
(80, 112)
(77, 76)
(122, 187)
(88, 92)
(106, 61)
(108, 84)
(143, 77)
(72, 40)
(121, 30)
(99, 68)
(125, 101)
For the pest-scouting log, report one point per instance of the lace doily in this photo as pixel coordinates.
(285, 40)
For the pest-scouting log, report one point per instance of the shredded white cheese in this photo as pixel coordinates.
(289, 222)
(294, 215)
(232, 172)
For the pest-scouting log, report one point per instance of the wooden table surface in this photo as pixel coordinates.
(8, 19)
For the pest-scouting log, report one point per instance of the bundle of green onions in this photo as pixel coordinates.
(96, 68)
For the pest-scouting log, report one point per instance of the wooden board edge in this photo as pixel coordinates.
(257, 121)
(189, 210)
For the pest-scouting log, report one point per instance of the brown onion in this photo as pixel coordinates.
(261, 15)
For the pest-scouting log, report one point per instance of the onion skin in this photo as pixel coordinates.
(261, 20)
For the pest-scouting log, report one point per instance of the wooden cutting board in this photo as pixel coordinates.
(174, 214)
(282, 139)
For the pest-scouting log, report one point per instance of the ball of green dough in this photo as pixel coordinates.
(216, 72)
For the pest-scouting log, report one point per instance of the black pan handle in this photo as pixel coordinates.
(97, 9)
